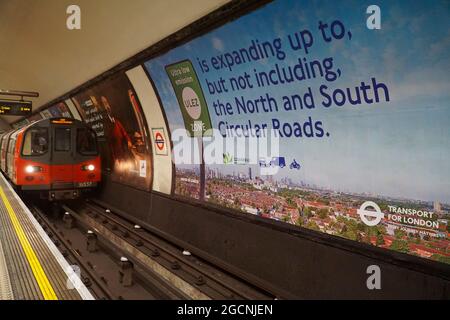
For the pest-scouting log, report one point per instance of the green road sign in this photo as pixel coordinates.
(190, 97)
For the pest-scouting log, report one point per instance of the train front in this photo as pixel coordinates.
(59, 159)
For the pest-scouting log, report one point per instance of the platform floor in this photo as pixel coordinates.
(31, 267)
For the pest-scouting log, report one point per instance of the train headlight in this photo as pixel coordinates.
(31, 169)
(89, 167)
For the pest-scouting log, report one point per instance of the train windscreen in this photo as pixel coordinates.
(62, 139)
(35, 142)
(86, 142)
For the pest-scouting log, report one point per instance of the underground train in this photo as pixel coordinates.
(56, 158)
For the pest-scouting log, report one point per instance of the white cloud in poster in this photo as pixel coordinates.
(218, 44)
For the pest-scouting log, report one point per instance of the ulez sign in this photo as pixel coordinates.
(190, 98)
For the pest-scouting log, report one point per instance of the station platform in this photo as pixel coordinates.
(31, 267)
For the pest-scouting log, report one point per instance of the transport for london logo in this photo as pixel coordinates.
(370, 217)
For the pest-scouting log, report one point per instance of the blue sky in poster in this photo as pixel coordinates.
(400, 148)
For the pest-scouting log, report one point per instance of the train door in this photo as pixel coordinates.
(1, 146)
(61, 170)
(12, 157)
(4, 151)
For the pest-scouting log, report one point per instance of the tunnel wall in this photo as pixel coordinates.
(298, 231)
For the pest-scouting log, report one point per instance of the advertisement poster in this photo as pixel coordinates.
(20, 124)
(35, 117)
(114, 113)
(45, 114)
(359, 109)
(60, 110)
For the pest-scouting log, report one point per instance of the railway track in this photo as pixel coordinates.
(162, 268)
(99, 270)
(196, 278)
(90, 279)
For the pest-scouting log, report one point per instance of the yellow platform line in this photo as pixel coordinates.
(39, 273)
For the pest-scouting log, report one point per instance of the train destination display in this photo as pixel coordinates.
(15, 108)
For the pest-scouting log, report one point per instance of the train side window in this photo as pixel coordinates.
(35, 142)
(86, 141)
(62, 139)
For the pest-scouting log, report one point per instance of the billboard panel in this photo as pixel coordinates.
(358, 109)
(114, 113)
(161, 147)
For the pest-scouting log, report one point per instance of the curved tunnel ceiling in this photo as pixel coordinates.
(38, 52)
